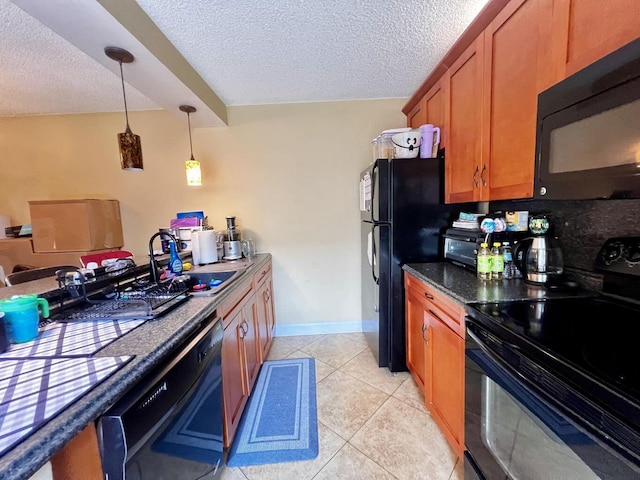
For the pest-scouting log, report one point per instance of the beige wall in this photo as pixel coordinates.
(288, 172)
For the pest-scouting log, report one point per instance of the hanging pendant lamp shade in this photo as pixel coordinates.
(129, 142)
(194, 174)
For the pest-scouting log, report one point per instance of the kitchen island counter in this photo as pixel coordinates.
(149, 343)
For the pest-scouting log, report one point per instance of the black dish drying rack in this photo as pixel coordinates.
(115, 295)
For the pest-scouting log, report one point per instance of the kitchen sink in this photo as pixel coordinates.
(214, 281)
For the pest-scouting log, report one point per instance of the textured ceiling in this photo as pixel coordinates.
(280, 51)
(248, 52)
(42, 73)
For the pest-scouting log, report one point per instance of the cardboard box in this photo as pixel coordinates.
(76, 225)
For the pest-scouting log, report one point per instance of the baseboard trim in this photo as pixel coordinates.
(321, 328)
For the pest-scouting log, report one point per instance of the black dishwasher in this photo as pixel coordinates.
(170, 426)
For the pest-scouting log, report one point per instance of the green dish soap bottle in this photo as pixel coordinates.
(175, 264)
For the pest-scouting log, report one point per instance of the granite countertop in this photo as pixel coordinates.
(150, 343)
(463, 286)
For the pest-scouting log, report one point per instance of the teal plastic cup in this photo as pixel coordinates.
(21, 316)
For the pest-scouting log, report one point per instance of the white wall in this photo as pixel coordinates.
(287, 172)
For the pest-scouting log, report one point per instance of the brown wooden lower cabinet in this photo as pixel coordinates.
(416, 335)
(248, 329)
(265, 312)
(80, 458)
(435, 353)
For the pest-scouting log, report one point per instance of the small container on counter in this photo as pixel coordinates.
(175, 263)
(484, 262)
(507, 259)
(497, 262)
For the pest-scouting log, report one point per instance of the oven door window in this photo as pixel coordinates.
(523, 444)
(513, 433)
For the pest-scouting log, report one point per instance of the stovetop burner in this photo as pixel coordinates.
(598, 335)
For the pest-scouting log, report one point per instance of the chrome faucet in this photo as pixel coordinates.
(153, 265)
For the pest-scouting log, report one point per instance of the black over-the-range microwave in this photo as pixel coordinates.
(588, 131)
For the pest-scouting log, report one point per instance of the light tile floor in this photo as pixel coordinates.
(372, 424)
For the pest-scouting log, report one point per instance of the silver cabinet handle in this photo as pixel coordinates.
(475, 177)
(484, 182)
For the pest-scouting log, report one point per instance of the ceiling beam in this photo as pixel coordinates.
(159, 71)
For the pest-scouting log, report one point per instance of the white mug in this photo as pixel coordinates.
(430, 137)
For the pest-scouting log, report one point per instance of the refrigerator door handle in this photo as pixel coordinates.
(374, 169)
(372, 254)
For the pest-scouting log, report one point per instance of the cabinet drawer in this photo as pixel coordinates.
(235, 301)
(412, 283)
(451, 313)
(262, 274)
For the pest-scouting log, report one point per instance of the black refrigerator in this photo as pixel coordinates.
(402, 219)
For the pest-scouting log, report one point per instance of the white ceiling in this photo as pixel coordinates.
(247, 51)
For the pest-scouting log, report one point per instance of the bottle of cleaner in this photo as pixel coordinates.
(175, 264)
(497, 261)
(484, 262)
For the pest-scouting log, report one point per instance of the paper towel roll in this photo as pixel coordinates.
(5, 221)
(207, 250)
(195, 248)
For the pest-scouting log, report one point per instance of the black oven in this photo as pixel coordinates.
(588, 135)
(528, 419)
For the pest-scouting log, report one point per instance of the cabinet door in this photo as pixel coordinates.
(264, 337)
(234, 383)
(434, 106)
(415, 337)
(516, 67)
(270, 309)
(463, 123)
(417, 116)
(266, 323)
(586, 30)
(446, 350)
(251, 344)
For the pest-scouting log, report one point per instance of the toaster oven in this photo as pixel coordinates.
(461, 246)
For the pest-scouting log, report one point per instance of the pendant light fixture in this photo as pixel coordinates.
(194, 175)
(129, 142)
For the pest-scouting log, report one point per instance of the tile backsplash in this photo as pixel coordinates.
(582, 225)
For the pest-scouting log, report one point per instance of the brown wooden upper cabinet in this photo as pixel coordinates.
(488, 94)
(491, 102)
(430, 109)
(587, 30)
(516, 69)
(417, 116)
(463, 123)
